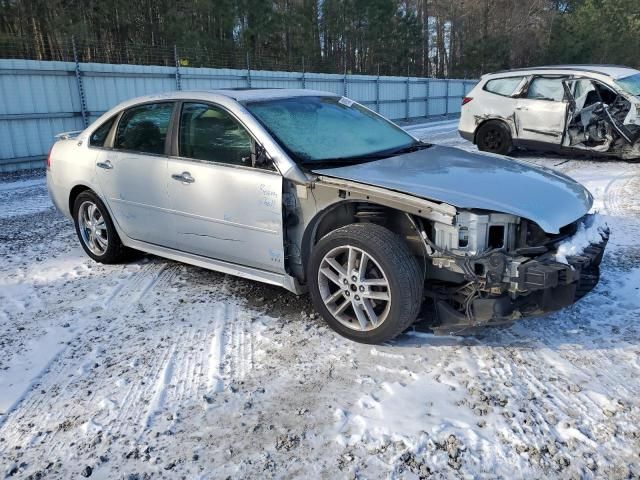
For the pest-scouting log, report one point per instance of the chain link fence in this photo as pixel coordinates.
(69, 49)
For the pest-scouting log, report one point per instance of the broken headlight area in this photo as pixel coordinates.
(521, 271)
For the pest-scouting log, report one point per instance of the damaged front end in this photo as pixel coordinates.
(602, 120)
(493, 269)
(491, 255)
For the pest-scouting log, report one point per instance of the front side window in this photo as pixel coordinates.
(587, 93)
(584, 93)
(582, 87)
(210, 133)
(503, 86)
(144, 128)
(99, 135)
(546, 89)
(328, 129)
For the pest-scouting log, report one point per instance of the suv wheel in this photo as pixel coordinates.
(95, 229)
(494, 137)
(365, 282)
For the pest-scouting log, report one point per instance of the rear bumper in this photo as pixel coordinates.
(545, 286)
(467, 135)
(55, 193)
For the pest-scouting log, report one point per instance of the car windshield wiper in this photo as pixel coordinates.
(414, 147)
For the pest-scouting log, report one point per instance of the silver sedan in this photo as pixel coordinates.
(314, 192)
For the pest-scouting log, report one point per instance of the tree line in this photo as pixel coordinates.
(437, 38)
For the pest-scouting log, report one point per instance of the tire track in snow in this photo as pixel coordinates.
(620, 193)
(613, 195)
(205, 362)
(55, 377)
(161, 384)
(215, 376)
(563, 399)
(130, 412)
(129, 295)
(239, 347)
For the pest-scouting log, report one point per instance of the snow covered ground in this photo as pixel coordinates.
(159, 369)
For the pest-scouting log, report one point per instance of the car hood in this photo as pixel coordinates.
(477, 181)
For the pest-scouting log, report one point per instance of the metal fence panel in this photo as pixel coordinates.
(107, 85)
(328, 82)
(212, 78)
(39, 99)
(28, 86)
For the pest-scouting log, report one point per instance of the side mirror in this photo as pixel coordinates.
(259, 158)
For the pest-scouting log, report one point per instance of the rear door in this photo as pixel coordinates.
(541, 112)
(223, 207)
(132, 174)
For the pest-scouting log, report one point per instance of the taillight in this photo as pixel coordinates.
(466, 100)
(49, 158)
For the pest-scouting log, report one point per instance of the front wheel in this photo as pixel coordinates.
(365, 282)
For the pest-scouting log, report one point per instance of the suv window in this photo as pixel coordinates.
(503, 86)
(546, 89)
(99, 135)
(210, 133)
(144, 128)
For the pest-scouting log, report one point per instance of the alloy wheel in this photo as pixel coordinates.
(354, 288)
(93, 228)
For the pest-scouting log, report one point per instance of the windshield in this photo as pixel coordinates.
(329, 129)
(630, 84)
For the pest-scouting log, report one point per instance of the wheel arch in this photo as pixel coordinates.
(501, 120)
(347, 212)
(75, 191)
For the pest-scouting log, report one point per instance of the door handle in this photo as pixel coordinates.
(184, 177)
(522, 108)
(107, 165)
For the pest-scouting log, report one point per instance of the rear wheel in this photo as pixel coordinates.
(494, 137)
(365, 282)
(96, 231)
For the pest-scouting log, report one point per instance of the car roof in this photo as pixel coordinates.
(238, 94)
(253, 94)
(612, 71)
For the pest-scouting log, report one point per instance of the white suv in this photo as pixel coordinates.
(592, 108)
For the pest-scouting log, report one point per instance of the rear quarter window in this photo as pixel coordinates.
(503, 86)
(143, 128)
(99, 135)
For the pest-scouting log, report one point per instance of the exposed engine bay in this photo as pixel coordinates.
(491, 268)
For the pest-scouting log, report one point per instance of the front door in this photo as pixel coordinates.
(223, 207)
(132, 175)
(541, 114)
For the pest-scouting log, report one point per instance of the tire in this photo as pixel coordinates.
(97, 234)
(494, 137)
(388, 259)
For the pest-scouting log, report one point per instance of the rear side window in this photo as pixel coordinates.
(546, 89)
(144, 128)
(210, 133)
(99, 136)
(503, 86)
